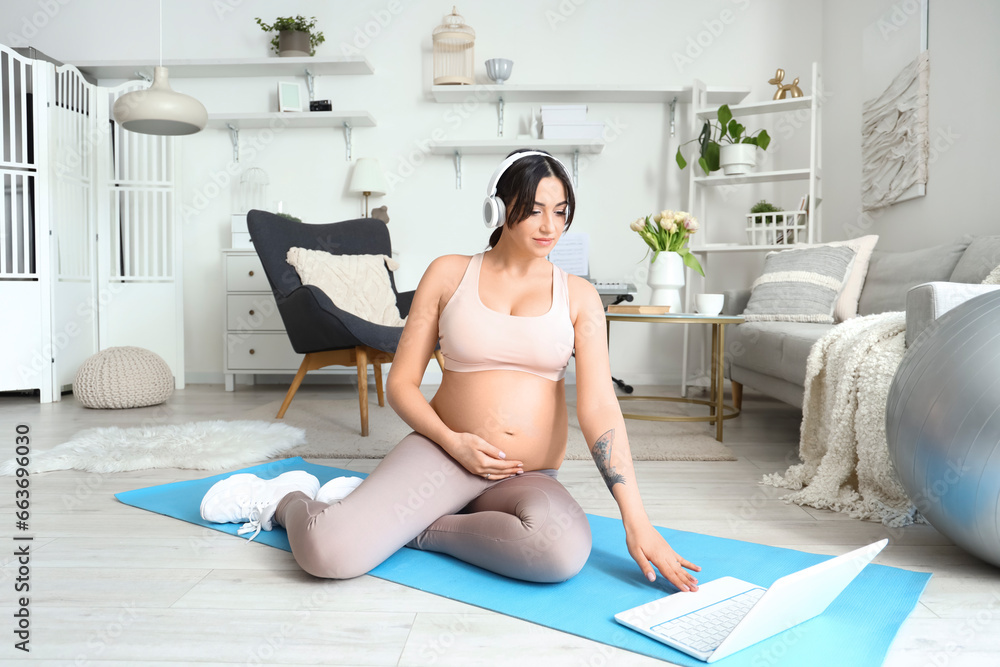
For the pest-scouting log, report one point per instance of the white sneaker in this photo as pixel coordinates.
(248, 499)
(337, 489)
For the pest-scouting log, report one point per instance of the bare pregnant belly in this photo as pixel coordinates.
(522, 414)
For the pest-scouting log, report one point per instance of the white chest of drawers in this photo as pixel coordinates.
(255, 338)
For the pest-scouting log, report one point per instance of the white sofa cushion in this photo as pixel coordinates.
(358, 284)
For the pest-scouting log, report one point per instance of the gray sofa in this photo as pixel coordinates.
(770, 357)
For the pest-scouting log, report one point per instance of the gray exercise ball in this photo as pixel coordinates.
(943, 425)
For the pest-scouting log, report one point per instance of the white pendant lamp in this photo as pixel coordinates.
(158, 109)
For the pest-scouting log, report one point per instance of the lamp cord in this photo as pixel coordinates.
(161, 34)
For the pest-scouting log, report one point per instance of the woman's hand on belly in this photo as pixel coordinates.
(481, 458)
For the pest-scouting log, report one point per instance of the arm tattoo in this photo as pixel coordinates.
(602, 457)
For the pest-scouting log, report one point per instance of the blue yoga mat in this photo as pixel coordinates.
(856, 629)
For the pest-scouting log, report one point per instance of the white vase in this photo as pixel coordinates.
(666, 278)
(737, 158)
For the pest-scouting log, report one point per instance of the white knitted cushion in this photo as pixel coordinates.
(123, 377)
(358, 284)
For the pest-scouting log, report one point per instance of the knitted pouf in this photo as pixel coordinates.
(123, 377)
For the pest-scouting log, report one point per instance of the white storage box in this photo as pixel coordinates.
(563, 113)
(591, 130)
(241, 235)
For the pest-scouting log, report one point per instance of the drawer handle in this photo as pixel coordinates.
(251, 350)
(251, 274)
(251, 313)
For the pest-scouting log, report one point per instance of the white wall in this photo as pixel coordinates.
(651, 42)
(964, 45)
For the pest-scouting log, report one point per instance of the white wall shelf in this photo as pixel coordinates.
(564, 94)
(504, 146)
(458, 148)
(302, 119)
(769, 106)
(229, 67)
(755, 177)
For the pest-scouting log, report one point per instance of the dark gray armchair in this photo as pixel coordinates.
(317, 328)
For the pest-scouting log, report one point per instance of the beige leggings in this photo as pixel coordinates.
(526, 527)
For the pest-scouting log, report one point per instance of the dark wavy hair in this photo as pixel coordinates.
(519, 183)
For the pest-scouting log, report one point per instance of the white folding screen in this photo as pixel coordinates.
(25, 280)
(89, 246)
(74, 135)
(140, 255)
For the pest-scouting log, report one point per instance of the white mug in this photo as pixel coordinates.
(709, 304)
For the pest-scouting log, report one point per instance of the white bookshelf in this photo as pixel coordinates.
(700, 185)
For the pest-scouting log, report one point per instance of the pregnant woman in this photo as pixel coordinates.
(477, 478)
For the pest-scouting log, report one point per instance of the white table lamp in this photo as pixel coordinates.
(368, 179)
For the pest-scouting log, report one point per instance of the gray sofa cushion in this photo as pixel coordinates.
(892, 274)
(800, 285)
(979, 259)
(779, 349)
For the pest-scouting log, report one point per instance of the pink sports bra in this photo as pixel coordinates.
(475, 338)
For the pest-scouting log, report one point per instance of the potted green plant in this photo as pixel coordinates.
(726, 145)
(295, 35)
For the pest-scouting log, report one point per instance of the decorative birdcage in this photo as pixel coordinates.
(253, 190)
(454, 43)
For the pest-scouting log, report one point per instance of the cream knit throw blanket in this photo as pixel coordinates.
(845, 459)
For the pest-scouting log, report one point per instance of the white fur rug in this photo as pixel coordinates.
(845, 458)
(209, 445)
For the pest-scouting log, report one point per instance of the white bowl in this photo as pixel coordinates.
(498, 69)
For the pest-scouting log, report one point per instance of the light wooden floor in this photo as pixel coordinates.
(111, 584)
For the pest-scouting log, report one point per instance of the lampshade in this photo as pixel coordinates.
(368, 177)
(160, 110)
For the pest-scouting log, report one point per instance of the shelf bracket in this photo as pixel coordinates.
(458, 170)
(500, 116)
(673, 111)
(234, 135)
(347, 139)
(310, 81)
(576, 168)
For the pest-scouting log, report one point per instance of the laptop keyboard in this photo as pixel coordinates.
(705, 628)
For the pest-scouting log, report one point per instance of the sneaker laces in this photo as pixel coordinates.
(254, 512)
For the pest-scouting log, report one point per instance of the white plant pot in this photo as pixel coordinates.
(666, 278)
(737, 158)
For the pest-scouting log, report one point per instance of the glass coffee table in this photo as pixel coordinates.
(716, 407)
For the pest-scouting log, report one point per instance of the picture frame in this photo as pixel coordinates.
(289, 96)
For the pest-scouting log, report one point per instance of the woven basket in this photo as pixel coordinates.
(123, 377)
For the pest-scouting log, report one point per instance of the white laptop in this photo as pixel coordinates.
(727, 615)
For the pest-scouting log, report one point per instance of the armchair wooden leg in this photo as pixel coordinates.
(362, 356)
(440, 359)
(299, 376)
(378, 383)
(737, 395)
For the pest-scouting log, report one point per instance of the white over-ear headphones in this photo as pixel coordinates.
(494, 209)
